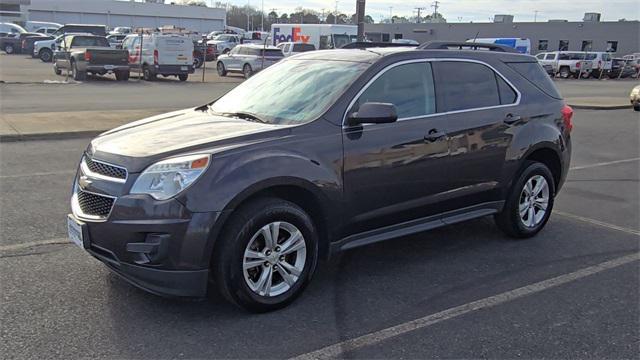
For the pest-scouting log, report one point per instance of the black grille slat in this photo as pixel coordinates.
(93, 204)
(106, 170)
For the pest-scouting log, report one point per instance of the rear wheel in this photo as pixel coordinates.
(564, 72)
(77, 74)
(122, 75)
(46, 55)
(183, 77)
(221, 69)
(266, 256)
(529, 203)
(247, 71)
(9, 49)
(636, 106)
(147, 74)
(197, 61)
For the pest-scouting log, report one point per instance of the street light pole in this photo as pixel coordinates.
(262, 25)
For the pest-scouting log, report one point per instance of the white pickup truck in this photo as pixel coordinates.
(567, 63)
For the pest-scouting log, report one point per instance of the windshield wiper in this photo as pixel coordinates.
(246, 116)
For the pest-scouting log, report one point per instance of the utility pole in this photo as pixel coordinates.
(248, 16)
(435, 6)
(419, 9)
(335, 17)
(360, 6)
(390, 14)
(262, 18)
(535, 16)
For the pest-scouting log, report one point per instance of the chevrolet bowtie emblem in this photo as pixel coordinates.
(84, 181)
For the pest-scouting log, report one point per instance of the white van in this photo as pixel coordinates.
(32, 26)
(322, 36)
(521, 44)
(162, 54)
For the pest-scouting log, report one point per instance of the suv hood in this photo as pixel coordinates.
(175, 132)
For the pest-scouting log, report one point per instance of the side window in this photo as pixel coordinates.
(473, 86)
(409, 87)
(234, 51)
(540, 56)
(507, 94)
(550, 57)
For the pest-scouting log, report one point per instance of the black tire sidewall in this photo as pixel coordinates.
(245, 227)
(531, 169)
(46, 58)
(221, 70)
(247, 74)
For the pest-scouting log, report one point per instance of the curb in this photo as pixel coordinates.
(7, 138)
(600, 107)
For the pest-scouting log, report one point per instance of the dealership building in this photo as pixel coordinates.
(116, 13)
(620, 37)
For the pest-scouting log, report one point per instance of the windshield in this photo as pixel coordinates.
(341, 40)
(222, 38)
(291, 92)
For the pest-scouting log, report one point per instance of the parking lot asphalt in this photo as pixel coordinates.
(58, 302)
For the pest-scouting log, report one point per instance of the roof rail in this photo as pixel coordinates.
(452, 45)
(366, 45)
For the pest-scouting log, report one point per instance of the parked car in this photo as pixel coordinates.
(224, 43)
(115, 40)
(89, 54)
(11, 28)
(99, 30)
(320, 153)
(567, 63)
(13, 45)
(27, 45)
(634, 97)
(248, 59)
(621, 68)
(291, 48)
(121, 30)
(162, 54)
(34, 26)
(202, 52)
(46, 30)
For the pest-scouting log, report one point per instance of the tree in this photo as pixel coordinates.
(193, 3)
(367, 19)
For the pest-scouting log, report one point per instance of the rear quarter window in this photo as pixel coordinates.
(474, 86)
(535, 74)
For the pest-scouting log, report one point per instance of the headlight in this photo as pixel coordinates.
(167, 178)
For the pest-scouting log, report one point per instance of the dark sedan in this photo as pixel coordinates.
(26, 47)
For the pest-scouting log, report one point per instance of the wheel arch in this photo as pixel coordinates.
(548, 155)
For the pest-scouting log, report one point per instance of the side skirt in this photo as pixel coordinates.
(416, 226)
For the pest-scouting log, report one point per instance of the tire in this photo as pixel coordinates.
(586, 74)
(565, 72)
(247, 71)
(636, 106)
(122, 75)
(147, 74)
(222, 72)
(241, 285)
(57, 70)
(197, 62)
(45, 55)
(9, 49)
(183, 77)
(77, 74)
(510, 220)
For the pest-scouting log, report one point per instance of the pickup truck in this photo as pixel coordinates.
(13, 44)
(84, 54)
(567, 63)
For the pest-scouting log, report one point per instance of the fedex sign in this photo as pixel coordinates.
(295, 36)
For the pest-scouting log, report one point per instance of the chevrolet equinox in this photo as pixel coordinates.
(323, 152)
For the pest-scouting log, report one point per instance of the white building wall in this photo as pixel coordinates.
(126, 13)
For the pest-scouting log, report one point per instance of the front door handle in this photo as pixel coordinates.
(434, 135)
(512, 119)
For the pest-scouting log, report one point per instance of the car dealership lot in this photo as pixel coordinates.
(59, 302)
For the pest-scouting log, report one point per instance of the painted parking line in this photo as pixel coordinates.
(604, 164)
(27, 245)
(339, 349)
(598, 223)
(38, 174)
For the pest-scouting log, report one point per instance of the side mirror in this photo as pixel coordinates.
(373, 113)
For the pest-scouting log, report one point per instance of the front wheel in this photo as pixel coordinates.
(529, 203)
(46, 55)
(221, 69)
(183, 77)
(266, 256)
(247, 71)
(9, 49)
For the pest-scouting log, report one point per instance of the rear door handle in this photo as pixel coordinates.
(434, 135)
(512, 119)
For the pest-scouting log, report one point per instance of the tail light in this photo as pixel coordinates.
(578, 65)
(567, 117)
(155, 57)
(209, 50)
(87, 56)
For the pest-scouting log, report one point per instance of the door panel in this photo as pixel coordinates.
(395, 172)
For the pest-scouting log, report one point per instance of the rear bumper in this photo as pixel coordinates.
(105, 68)
(173, 69)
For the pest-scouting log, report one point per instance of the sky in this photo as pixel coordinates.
(467, 10)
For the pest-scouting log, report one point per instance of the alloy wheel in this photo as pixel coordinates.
(274, 259)
(534, 200)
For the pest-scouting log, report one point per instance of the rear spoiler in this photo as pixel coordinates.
(449, 45)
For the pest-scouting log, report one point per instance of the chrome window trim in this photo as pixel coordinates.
(77, 211)
(86, 171)
(430, 60)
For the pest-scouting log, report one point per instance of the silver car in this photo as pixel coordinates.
(248, 59)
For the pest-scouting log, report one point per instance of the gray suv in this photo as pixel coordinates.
(248, 59)
(323, 152)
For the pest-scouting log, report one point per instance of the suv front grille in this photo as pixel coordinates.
(106, 169)
(94, 204)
